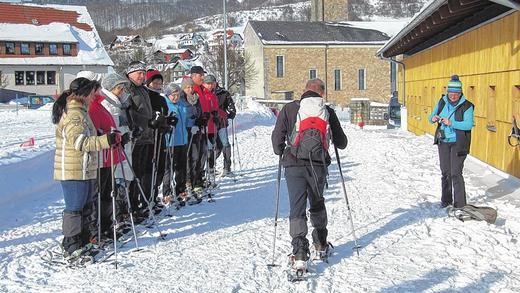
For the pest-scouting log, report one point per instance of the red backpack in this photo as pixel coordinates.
(311, 133)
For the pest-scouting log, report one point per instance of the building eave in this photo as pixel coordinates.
(438, 21)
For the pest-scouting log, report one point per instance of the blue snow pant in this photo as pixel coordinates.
(78, 221)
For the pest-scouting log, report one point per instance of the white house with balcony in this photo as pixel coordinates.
(42, 47)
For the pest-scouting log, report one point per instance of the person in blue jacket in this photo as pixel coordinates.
(454, 117)
(176, 144)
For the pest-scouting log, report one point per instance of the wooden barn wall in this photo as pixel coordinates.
(487, 60)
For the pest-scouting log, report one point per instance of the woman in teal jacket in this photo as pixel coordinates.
(176, 144)
(454, 117)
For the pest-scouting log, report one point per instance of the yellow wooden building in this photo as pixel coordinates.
(478, 40)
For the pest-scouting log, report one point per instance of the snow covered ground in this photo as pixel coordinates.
(408, 243)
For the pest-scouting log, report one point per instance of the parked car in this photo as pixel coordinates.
(36, 102)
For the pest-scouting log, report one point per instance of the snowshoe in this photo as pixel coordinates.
(322, 252)
(298, 270)
(471, 212)
(195, 199)
(167, 200)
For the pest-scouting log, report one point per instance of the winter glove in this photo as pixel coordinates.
(136, 132)
(125, 139)
(158, 121)
(172, 120)
(231, 115)
(194, 130)
(114, 138)
(202, 121)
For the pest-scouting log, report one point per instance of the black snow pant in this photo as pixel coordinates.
(176, 163)
(209, 154)
(159, 168)
(106, 201)
(306, 183)
(197, 159)
(453, 188)
(143, 170)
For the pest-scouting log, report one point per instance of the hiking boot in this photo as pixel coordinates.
(225, 172)
(321, 247)
(167, 200)
(198, 190)
(301, 255)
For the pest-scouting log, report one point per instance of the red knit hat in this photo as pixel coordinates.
(153, 74)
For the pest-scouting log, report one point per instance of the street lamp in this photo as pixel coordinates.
(225, 46)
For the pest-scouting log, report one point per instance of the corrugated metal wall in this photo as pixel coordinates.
(487, 60)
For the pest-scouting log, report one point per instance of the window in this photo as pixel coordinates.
(19, 77)
(29, 77)
(337, 80)
(279, 66)
(53, 49)
(24, 48)
(9, 48)
(51, 77)
(38, 48)
(40, 77)
(66, 49)
(312, 74)
(361, 79)
(491, 109)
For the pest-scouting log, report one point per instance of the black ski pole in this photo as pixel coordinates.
(208, 171)
(278, 179)
(140, 187)
(129, 207)
(171, 178)
(238, 148)
(356, 246)
(154, 168)
(233, 145)
(99, 197)
(188, 165)
(112, 194)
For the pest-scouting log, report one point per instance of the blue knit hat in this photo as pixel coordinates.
(455, 85)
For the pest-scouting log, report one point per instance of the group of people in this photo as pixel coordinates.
(122, 138)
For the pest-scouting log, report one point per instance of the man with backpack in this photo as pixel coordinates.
(301, 137)
(454, 115)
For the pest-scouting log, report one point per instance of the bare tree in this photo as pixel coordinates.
(240, 67)
(3, 80)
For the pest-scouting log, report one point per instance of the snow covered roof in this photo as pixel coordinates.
(123, 39)
(377, 104)
(390, 28)
(296, 32)
(53, 24)
(53, 32)
(174, 51)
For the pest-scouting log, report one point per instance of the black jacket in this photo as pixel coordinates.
(226, 104)
(140, 111)
(284, 127)
(158, 102)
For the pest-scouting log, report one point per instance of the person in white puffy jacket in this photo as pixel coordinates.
(116, 102)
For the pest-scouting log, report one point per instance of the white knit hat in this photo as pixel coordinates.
(89, 75)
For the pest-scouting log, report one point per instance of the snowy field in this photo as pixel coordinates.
(393, 184)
